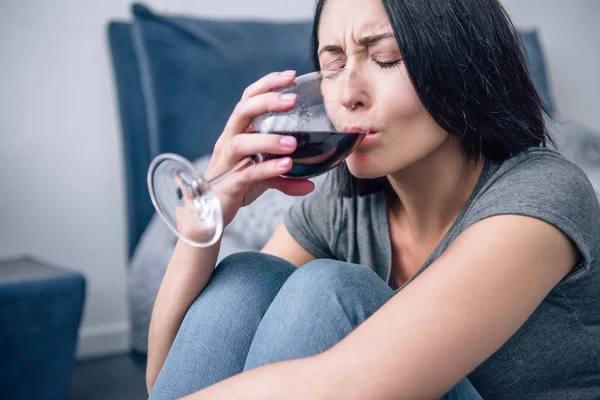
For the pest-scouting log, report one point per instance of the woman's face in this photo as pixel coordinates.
(372, 89)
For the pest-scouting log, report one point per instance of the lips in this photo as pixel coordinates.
(357, 129)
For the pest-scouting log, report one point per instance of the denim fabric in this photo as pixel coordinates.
(258, 309)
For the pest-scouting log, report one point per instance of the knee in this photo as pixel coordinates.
(322, 289)
(246, 267)
(245, 260)
(246, 275)
(320, 277)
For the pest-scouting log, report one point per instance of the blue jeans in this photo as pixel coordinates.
(259, 309)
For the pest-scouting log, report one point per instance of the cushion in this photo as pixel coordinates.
(193, 71)
(134, 129)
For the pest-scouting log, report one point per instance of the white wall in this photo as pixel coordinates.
(570, 34)
(62, 195)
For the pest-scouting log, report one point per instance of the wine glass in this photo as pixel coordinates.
(320, 147)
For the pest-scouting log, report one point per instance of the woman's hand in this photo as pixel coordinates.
(236, 143)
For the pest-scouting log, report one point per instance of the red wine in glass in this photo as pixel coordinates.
(319, 151)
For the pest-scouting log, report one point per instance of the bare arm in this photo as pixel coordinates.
(191, 268)
(436, 330)
(188, 273)
(282, 244)
(450, 319)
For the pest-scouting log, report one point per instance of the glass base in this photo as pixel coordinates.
(184, 200)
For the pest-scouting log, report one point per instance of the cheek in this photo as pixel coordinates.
(409, 132)
(398, 101)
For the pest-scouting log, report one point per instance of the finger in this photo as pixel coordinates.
(247, 144)
(265, 170)
(268, 83)
(247, 110)
(292, 187)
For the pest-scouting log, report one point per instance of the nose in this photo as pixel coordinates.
(354, 93)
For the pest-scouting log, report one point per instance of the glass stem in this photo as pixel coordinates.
(240, 166)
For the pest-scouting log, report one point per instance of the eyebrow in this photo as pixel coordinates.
(364, 41)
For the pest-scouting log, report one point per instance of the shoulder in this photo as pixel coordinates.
(538, 175)
(542, 184)
(537, 163)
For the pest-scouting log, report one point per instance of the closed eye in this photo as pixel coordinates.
(385, 65)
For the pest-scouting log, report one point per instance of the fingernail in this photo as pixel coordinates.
(289, 72)
(284, 162)
(288, 97)
(288, 141)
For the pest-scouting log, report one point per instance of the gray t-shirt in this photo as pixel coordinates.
(555, 354)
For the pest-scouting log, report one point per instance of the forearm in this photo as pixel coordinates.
(187, 274)
(295, 379)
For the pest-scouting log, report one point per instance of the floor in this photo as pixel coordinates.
(110, 378)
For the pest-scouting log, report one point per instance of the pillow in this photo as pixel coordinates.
(256, 223)
(178, 81)
(193, 72)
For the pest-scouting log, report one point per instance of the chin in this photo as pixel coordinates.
(361, 167)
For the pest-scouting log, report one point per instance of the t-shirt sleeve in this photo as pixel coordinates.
(549, 188)
(310, 221)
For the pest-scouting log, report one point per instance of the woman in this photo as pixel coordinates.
(456, 245)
